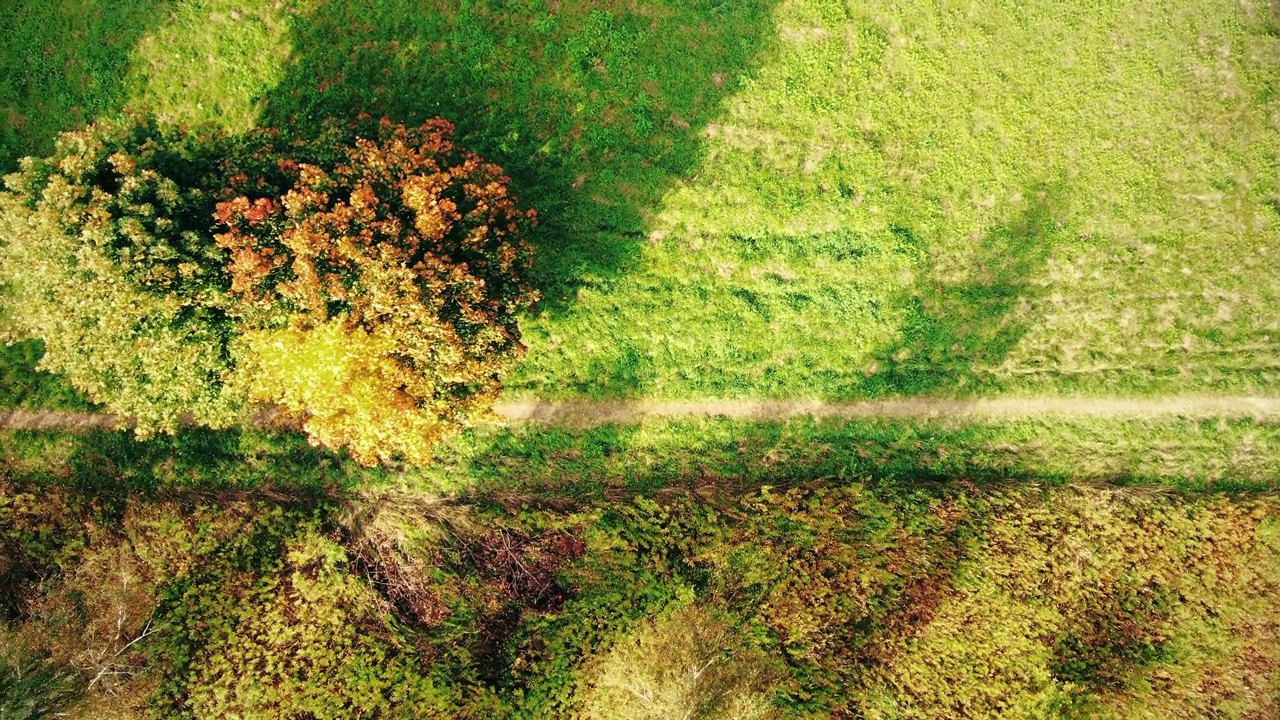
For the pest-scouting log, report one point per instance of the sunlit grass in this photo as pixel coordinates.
(793, 198)
(213, 60)
(1146, 130)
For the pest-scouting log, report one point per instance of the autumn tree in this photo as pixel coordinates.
(377, 273)
(106, 254)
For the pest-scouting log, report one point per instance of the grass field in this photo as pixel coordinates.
(718, 457)
(724, 456)
(794, 198)
(739, 199)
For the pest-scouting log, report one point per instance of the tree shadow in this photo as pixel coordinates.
(62, 64)
(592, 108)
(22, 385)
(196, 464)
(958, 334)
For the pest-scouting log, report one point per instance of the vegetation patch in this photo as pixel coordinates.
(827, 597)
(735, 201)
(367, 279)
(718, 455)
(782, 198)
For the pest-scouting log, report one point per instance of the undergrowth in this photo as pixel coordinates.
(827, 597)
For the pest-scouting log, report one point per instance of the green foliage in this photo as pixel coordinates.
(826, 575)
(958, 604)
(223, 604)
(1119, 630)
(36, 530)
(317, 641)
(1087, 603)
(104, 565)
(819, 598)
(109, 261)
(626, 575)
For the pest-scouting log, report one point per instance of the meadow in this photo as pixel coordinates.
(739, 199)
(779, 199)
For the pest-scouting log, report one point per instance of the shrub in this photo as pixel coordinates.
(368, 279)
(380, 293)
(106, 254)
(38, 530)
(310, 643)
(685, 664)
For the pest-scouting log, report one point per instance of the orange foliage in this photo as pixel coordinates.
(381, 294)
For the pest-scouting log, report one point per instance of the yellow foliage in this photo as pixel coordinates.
(380, 296)
(356, 392)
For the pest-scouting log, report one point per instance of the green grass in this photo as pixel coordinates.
(112, 464)
(63, 64)
(1093, 186)
(22, 386)
(31, 688)
(792, 198)
(721, 456)
(718, 457)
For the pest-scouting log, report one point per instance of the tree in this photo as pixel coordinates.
(378, 284)
(106, 255)
(368, 279)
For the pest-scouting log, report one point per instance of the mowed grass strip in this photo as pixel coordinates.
(560, 466)
(718, 456)
(800, 197)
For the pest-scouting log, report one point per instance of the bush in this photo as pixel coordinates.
(38, 529)
(379, 294)
(311, 642)
(106, 254)
(687, 664)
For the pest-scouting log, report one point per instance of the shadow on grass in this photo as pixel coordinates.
(957, 335)
(196, 464)
(23, 386)
(592, 108)
(723, 460)
(62, 64)
(719, 458)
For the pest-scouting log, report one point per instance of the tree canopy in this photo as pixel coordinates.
(107, 257)
(368, 279)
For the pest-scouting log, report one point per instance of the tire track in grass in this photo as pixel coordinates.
(602, 412)
(594, 413)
